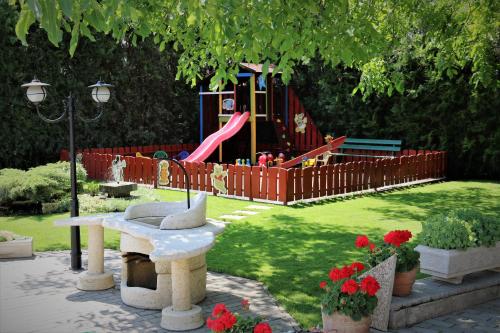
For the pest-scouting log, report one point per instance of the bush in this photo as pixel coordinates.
(92, 188)
(42, 184)
(460, 229)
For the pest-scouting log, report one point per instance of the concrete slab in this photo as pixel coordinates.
(245, 212)
(232, 217)
(432, 298)
(40, 295)
(259, 207)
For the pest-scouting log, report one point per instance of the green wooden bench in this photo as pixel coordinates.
(392, 146)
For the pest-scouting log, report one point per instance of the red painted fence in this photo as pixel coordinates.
(124, 151)
(284, 185)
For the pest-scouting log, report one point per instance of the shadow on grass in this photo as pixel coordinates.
(402, 204)
(290, 257)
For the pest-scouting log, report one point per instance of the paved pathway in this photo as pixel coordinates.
(481, 318)
(242, 214)
(39, 295)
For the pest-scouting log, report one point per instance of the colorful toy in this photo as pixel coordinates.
(270, 160)
(262, 160)
(248, 162)
(238, 162)
(280, 159)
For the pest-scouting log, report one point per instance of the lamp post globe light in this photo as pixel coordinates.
(36, 92)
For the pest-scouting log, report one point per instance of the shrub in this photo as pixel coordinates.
(459, 229)
(45, 183)
(91, 188)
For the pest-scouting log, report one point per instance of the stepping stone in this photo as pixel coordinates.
(245, 212)
(232, 217)
(258, 207)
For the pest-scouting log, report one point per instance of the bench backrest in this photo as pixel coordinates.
(372, 144)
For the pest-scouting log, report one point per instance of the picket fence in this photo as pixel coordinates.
(281, 185)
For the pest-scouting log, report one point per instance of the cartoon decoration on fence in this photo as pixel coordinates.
(218, 178)
(301, 122)
(117, 167)
(163, 173)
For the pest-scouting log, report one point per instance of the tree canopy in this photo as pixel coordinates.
(377, 37)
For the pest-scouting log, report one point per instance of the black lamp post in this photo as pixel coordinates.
(36, 93)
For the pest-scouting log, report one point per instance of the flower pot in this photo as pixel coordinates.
(339, 323)
(452, 265)
(403, 282)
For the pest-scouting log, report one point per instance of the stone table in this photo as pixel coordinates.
(175, 246)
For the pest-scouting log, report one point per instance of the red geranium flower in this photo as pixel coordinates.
(361, 241)
(397, 237)
(215, 325)
(262, 328)
(335, 274)
(322, 284)
(357, 266)
(228, 319)
(372, 246)
(370, 285)
(245, 304)
(219, 309)
(349, 287)
(346, 272)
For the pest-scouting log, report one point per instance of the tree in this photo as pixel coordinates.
(218, 35)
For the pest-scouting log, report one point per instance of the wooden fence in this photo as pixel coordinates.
(124, 151)
(284, 185)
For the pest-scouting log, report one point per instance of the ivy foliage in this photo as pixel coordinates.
(148, 106)
(367, 35)
(460, 229)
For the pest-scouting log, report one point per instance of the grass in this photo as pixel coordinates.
(291, 249)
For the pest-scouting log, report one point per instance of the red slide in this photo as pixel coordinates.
(208, 145)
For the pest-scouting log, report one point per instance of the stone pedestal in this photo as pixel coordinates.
(118, 190)
(95, 278)
(182, 315)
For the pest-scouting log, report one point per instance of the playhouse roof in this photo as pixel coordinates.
(256, 68)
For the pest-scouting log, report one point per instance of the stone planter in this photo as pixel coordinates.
(16, 248)
(339, 323)
(452, 265)
(403, 282)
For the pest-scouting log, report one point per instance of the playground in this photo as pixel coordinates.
(257, 142)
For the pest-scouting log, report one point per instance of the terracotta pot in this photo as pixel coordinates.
(403, 282)
(339, 323)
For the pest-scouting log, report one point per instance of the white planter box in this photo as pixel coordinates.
(17, 248)
(452, 265)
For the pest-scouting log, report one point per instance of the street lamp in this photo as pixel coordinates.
(36, 92)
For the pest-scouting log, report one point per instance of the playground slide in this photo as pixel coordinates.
(334, 144)
(208, 145)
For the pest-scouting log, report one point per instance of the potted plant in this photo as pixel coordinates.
(395, 242)
(15, 246)
(348, 300)
(457, 243)
(223, 320)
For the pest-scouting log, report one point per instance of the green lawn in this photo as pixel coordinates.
(290, 249)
